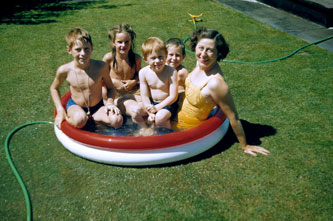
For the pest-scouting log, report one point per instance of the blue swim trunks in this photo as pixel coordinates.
(173, 108)
(93, 109)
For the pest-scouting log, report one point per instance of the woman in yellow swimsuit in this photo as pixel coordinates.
(205, 87)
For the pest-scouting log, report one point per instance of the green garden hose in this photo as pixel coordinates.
(273, 60)
(282, 58)
(260, 62)
(12, 165)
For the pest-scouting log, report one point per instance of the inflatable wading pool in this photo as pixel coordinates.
(142, 150)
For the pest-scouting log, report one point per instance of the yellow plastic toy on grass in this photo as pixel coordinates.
(195, 18)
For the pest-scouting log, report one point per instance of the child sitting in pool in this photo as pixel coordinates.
(85, 77)
(176, 54)
(158, 84)
(124, 66)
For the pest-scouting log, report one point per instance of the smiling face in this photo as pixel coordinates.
(206, 53)
(81, 52)
(156, 60)
(122, 43)
(175, 56)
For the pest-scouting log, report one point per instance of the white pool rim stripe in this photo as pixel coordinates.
(143, 157)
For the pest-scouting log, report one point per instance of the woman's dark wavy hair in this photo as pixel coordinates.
(203, 32)
(112, 36)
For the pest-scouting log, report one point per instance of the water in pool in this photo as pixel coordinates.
(128, 129)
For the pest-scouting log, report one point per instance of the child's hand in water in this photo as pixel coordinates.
(151, 119)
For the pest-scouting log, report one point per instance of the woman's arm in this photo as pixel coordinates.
(220, 93)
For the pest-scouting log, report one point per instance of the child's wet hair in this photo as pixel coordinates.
(78, 34)
(152, 44)
(176, 42)
(220, 43)
(112, 33)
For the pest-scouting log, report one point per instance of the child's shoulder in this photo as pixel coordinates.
(169, 69)
(182, 70)
(108, 57)
(65, 68)
(97, 63)
(145, 69)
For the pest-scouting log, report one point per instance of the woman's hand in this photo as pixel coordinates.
(252, 150)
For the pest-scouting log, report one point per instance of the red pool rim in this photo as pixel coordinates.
(131, 143)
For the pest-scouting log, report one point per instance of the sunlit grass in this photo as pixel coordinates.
(293, 96)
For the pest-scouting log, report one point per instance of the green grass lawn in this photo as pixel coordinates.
(286, 106)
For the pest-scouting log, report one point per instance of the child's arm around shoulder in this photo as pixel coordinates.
(182, 73)
(60, 77)
(107, 59)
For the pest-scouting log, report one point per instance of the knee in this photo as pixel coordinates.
(78, 119)
(137, 113)
(162, 118)
(116, 121)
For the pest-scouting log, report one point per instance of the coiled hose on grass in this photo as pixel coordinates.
(14, 169)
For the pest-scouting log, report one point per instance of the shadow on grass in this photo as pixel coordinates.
(33, 12)
(253, 132)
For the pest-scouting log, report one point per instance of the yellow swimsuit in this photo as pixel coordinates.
(195, 108)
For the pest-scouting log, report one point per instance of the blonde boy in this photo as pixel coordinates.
(158, 83)
(176, 54)
(85, 77)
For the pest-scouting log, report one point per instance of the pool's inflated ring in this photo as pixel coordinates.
(142, 150)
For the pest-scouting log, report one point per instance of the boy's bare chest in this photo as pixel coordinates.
(82, 80)
(156, 82)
